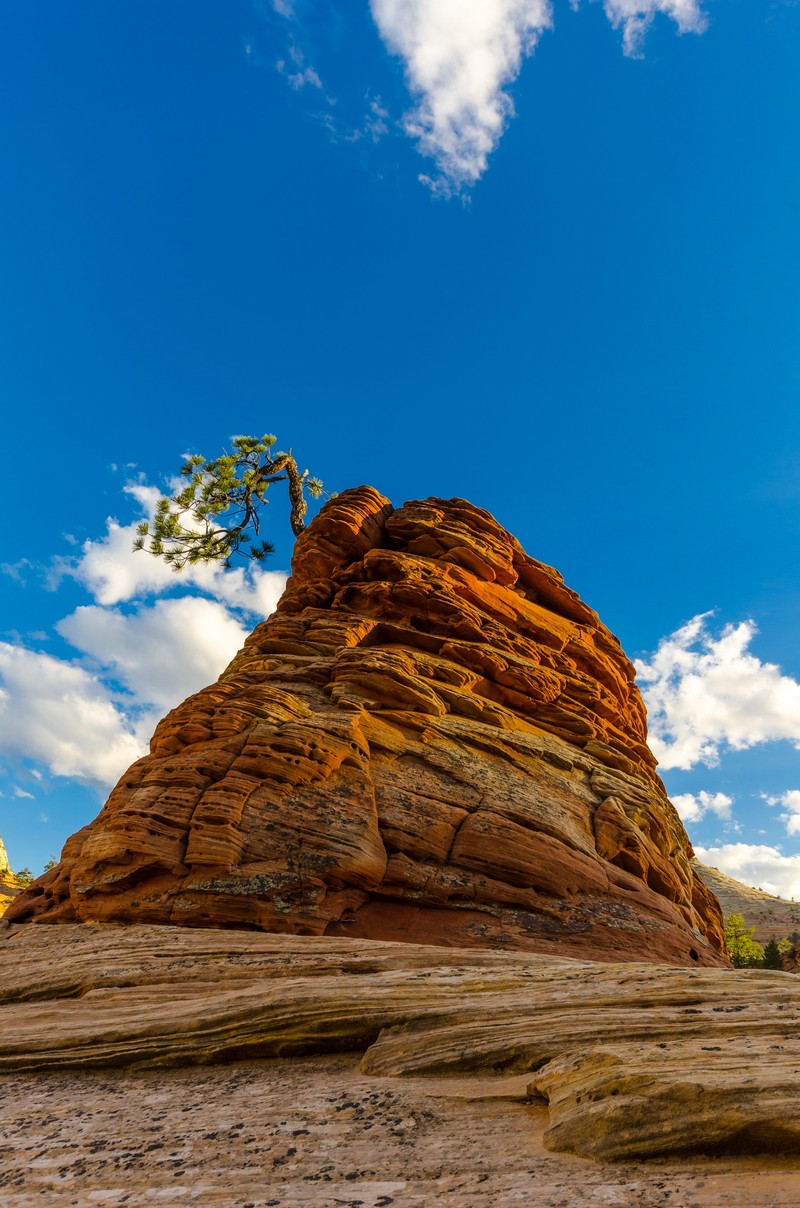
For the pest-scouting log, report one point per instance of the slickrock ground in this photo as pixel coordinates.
(155, 1065)
(433, 739)
(317, 1132)
(773, 918)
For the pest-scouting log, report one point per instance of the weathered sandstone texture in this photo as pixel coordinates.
(433, 739)
(9, 884)
(9, 889)
(628, 1061)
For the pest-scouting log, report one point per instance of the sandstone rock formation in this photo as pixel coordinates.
(630, 1061)
(8, 891)
(433, 739)
(9, 882)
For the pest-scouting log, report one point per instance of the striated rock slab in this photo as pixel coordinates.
(316, 1131)
(433, 739)
(631, 1061)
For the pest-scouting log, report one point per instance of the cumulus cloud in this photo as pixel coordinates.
(790, 800)
(110, 570)
(162, 653)
(756, 864)
(460, 56)
(705, 692)
(693, 807)
(60, 715)
(89, 718)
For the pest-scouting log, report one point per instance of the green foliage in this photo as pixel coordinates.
(772, 955)
(24, 876)
(213, 515)
(51, 863)
(743, 950)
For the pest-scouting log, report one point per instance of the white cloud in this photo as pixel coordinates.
(790, 800)
(704, 693)
(756, 864)
(634, 18)
(61, 716)
(297, 72)
(693, 807)
(294, 67)
(16, 570)
(90, 719)
(460, 56)
(113, 573)
(162, 653)
(21, 793)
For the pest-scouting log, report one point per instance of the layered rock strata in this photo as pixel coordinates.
(432, 739)
(630, 1061)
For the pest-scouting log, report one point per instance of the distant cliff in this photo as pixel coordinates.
(773, 918)
(9, 884)
(433, 739)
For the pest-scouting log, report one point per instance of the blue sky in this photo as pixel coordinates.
(543, 258)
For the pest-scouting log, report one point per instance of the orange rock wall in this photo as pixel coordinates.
(432, 739)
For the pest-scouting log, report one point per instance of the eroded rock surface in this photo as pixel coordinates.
(433, 739)
(630, 1061)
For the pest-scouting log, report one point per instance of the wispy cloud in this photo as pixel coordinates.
(634, 18)
(16, 570)
(460, 58)
(705, 692)
(298, 73)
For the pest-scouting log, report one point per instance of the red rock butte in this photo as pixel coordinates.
(432, 739)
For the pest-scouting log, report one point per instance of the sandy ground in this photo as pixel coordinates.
(317, 1131)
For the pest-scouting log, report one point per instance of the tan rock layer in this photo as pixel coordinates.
(432, 739)
(634, 1060)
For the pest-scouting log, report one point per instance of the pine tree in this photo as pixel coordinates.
(213, 515)
(772, 955)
